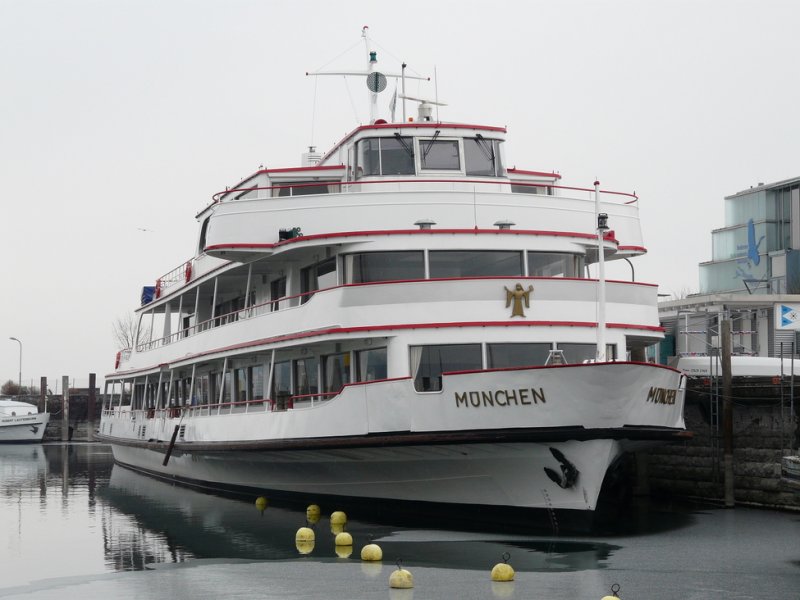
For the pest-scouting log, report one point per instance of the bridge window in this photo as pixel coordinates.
(384, 266)
(429, 362)
(385, 156)
(466, 263)
(439, 155)
(482, 157)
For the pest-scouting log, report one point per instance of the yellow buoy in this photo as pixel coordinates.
(371, 552)
(503, 571)
(343, 539)
(312, 513)
(344, 551)
(304, 540)
(401, 579)
(614, 593)
(304, 534)
(261, 503)
(338, 517)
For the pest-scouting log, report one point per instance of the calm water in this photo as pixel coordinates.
(73, 525)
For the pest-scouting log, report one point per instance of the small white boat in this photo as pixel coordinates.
(21, 422)
(741, 366)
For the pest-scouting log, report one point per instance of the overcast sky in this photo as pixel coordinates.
(120, 119)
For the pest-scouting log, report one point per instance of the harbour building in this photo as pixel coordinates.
(753, 277)
(753, 282)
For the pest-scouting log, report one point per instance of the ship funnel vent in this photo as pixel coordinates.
(310, 158)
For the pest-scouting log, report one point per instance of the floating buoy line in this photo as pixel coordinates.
(400, 578)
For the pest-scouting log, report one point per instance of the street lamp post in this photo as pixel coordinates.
(19, 382)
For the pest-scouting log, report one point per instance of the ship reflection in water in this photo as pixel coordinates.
(170, 523)
(73, 518)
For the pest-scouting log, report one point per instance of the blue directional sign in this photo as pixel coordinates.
(787, 316)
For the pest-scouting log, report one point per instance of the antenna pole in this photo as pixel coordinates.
(436, 91)
(403, 79)
(601, 282)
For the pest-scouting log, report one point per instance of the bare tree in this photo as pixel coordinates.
(124, 330)
(10, 388)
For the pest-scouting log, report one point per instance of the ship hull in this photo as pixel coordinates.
(23, 429)
(549, 450)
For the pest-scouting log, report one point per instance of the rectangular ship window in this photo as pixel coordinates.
(371, 364)
(517, 355)
(439, 155)
(578, 353)
(552, 264)
(336, 371)
(429, 362)
(384, 266)
(468, 263)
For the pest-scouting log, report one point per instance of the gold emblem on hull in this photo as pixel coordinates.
(516, 297)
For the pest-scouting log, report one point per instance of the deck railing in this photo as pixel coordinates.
(242, 314)
(347, 187)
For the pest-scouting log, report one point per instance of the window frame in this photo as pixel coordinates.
(420, 145)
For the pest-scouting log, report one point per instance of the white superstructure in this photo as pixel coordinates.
(406, 319)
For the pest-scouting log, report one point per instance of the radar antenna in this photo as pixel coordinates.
(425, 108)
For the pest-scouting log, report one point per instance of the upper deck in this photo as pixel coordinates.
(396, 175)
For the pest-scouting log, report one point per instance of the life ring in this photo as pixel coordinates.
(188, 271)
(118, 359)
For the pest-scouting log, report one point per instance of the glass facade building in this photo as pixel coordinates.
(753, 253)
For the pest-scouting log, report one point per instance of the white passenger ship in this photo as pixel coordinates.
(405, 318)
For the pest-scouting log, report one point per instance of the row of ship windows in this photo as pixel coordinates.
(401, 265)
(324, 376)
(399, 155)
(367, 267)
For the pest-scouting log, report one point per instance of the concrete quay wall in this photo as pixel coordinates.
(695, 468)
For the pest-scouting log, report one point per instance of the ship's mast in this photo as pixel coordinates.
(602, 226)
(376, 80)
